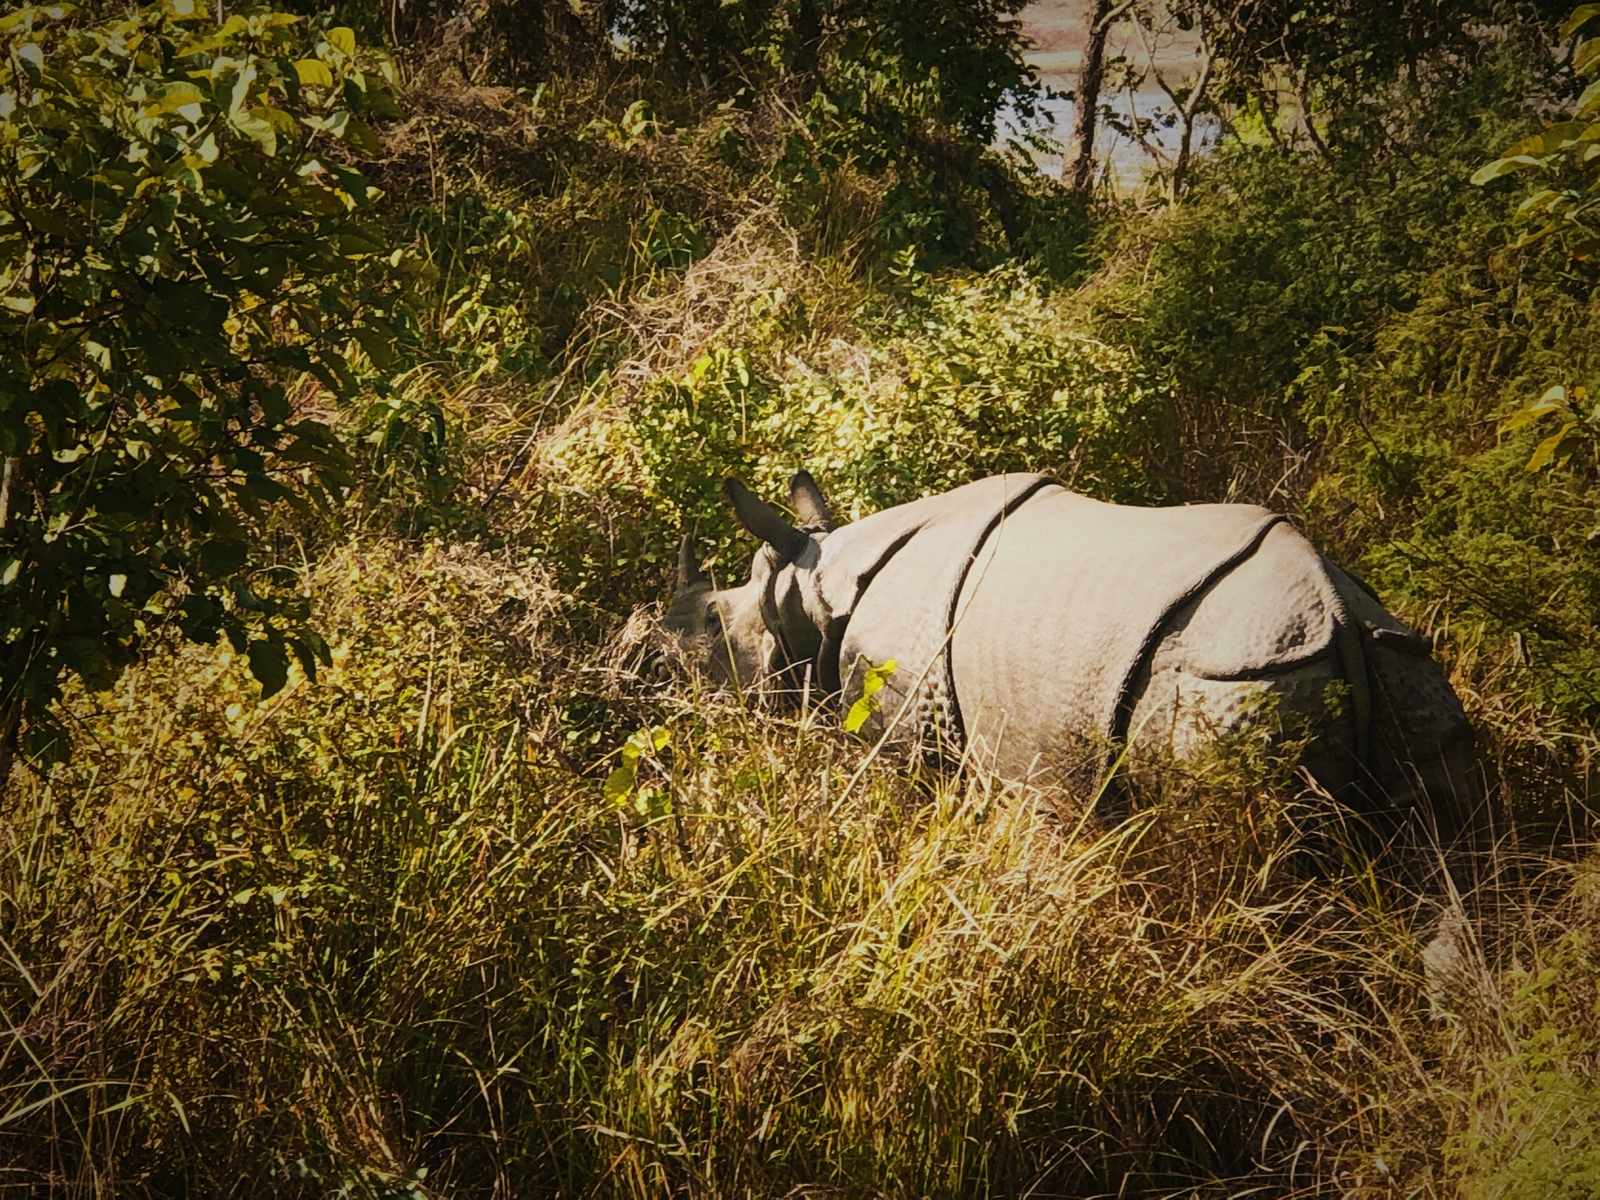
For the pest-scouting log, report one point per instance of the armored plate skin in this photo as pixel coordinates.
(1034, 629)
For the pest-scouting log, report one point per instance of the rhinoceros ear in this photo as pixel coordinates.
(805, 497)
(761, 519)
(689, 572)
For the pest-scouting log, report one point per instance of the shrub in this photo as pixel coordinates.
(943, 382)
(181, 280)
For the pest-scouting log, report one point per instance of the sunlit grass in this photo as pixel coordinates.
(385, 933)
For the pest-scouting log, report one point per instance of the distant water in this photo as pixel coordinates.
(1057, 30)
(1128, 160)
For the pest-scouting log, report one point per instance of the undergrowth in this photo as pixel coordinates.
(387, 934)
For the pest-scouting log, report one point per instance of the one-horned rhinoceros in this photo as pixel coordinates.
(1031, 628)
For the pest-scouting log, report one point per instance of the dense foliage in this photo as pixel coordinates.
(492, 898)
(181, 250)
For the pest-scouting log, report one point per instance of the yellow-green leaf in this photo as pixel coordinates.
(1504, 166)
(1579, 17)
(640, 742)
(619, 783)
(1547, 450)
(343, 39)
(652, 803)
(1554, 400)
(1539, 202)
(1559, 136)
(173, 98)
(1532, 144)
(255, 126)
(313, 73)
(871, 684)
(1589, 102)
(646, 741)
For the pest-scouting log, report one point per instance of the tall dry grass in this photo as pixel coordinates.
(386, 935)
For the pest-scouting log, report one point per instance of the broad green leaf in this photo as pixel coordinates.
(223, 556)
(313, 73)
(871, 684)
(269, 663)
(1504, 166)
(1539, 202)
(173, 98)
(1532, 144)
(1559, 136)
(1586, 57)
(359, 134)
(640, 742)
(258, 129)
(280, 120)
(1554, 400)
(1547, 450)
(645, 741)
(1589, 102)
(1578, 18)
(306, 656)
(619, 783)
(377, 346)
(343, 39)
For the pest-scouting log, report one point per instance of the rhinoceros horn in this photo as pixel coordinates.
(689, 572)
(761, 519)
(805, 497)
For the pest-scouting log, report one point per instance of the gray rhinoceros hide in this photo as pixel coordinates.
(1032, 628)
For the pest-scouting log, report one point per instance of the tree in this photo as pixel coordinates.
(1563, 207)
(1102, 15)
(1154, 29)
(1336, 64)
(184, 273)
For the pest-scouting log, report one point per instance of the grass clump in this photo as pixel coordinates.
(389, 935)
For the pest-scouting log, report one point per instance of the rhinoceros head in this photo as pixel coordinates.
(740, 635)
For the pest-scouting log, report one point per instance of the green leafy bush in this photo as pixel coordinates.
(949, 380)
(185, 271)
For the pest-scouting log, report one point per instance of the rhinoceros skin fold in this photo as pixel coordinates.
(1035, 629)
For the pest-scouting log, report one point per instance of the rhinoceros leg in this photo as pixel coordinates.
(1263, 647)
(1385, 727)
(1421, 741)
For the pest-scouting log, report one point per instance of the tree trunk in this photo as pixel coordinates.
(807, 49)
(1080, 172)
(991, 176)
(1188, 110)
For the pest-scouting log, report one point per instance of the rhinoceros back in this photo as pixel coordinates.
(1032, 628)
(1065, 604)
(892, 580)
